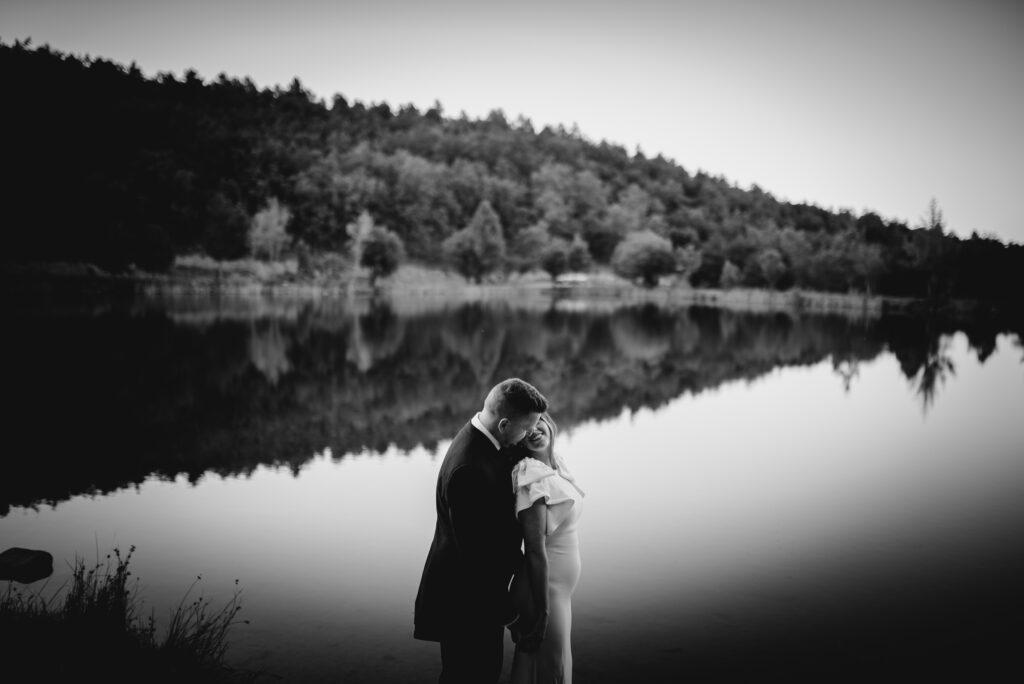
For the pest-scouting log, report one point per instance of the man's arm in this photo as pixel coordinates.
(475, 535)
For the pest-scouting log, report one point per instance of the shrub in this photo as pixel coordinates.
(382, 252)
(644, 255)
(555, 259)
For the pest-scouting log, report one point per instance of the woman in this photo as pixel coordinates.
(548, 506)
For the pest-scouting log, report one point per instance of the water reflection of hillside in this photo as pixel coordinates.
(105, 401)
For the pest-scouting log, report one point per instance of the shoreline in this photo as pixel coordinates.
(414, 288)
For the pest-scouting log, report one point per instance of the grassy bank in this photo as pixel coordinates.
(415, 286)
(201, 280)
(92, 627)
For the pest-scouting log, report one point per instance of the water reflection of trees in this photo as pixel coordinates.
(935, 368)
(847, 369)
(107, 401)
(268, 349)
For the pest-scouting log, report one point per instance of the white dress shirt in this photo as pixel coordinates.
(480, 426)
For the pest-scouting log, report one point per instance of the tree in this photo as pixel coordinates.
(555, 259)
(479, 248)
(358, 231)
(320, 199)
(772, 266)
(872, 229)
(382, 252)
(579, 256)
(602, 239)
(635, 203)
(267, 232)
(644, 255)
(797, 250)
(460, 251)
(712, 257)
(688, 261)
(527, 247)
(683, 236)
(931, 255)
(933, 219)
(731, 276)
(590, 197)
(304, 257)
(624, 219)
(567, 200)
(830, 268)
(554, 211)
(868, 265)
(155, 167)
(227, 227)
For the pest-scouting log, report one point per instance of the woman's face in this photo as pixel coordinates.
(539, 438)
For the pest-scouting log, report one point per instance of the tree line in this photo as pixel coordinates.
(110, 167)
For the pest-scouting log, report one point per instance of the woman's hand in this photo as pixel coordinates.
(531, 641)
(522, 605)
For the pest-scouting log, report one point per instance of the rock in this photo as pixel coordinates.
(25, 565)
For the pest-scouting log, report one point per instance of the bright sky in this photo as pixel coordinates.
(870, 105)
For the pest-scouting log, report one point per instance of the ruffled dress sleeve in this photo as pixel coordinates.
(533, 480)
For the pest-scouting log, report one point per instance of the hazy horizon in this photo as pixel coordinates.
(874, 107)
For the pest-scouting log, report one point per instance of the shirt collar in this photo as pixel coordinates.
(480, 426)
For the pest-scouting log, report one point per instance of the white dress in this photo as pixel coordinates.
(533, 480)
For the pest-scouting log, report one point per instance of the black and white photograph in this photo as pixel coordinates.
(493, 342)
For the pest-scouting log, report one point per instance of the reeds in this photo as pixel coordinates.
(196, 633)
(94, 628)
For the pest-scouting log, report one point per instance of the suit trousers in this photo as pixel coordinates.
(472, 656)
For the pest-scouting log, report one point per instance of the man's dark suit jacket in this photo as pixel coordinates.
(477, 542)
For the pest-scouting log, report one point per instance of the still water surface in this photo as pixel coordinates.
(769, 496)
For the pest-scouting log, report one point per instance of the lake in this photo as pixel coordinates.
(769, 495)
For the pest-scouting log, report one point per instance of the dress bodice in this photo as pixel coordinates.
(533, 480)
(567, 525)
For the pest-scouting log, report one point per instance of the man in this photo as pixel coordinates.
(463, 595)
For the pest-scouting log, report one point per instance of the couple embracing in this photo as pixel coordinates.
(502, 488)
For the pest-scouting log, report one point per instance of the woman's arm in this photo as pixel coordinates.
(534, 521)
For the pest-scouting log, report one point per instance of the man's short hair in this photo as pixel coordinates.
(514, 398)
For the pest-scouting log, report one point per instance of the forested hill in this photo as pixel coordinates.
(107, 166)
